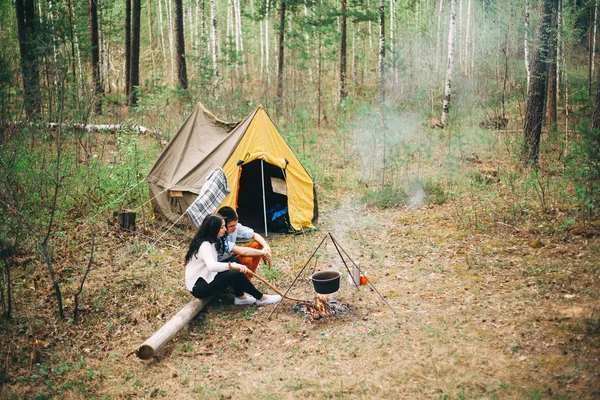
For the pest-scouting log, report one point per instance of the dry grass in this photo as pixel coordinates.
(481, 309)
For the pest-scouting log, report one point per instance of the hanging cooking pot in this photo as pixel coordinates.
(326, 282)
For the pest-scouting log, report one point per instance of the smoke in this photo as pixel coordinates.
(416, 197)
(382, 141)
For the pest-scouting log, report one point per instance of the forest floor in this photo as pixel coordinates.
(456, 310)
(496, 313)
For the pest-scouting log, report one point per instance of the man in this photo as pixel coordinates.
(229, 252)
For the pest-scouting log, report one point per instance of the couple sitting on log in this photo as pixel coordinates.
(214, 262)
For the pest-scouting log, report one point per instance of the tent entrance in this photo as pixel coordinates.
(258, 176)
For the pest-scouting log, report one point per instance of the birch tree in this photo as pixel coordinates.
(592, 46)
(382, 51)
(213, 36)
(448, 85)
(536, 95)
(552, 69)
(162, 35)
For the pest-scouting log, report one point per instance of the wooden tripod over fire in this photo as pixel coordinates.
(341, 252)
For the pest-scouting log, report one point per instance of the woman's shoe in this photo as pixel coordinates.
(269, 299)
(242, 302)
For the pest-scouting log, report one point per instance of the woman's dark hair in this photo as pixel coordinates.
(208, 232)
(228, 214)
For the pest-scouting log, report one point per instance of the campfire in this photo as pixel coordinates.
(321, 307)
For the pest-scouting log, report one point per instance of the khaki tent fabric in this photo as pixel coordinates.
(243, 149)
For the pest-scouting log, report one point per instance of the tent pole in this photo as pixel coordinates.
(262, 171)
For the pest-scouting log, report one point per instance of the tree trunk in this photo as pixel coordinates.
(467, 33)
(382, 51)
(128, 88)
(537, 88)
(552, 62)
(213, 36)
(526, 44)
(157, 341)
(181, 65)
(162, 36)
(98, 90)
(448, 86)
(267, 42)
(169, 9)
(281, 58)
(438, 41)
(596, 116)
(593, 45)
(343, 53)
(135, 51)
(27, 31)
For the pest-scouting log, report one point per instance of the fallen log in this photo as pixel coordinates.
(157, 341)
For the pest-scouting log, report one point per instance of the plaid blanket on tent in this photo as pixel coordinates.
(211, 196)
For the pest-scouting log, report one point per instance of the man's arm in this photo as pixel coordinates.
(261, 240)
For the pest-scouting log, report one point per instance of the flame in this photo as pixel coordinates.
(320, 307)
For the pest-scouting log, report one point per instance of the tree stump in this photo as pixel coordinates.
(127, 220)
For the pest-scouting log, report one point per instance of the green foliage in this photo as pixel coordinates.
(583, 166)
(388, 197)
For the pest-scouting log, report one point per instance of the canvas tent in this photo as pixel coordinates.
(261, 170)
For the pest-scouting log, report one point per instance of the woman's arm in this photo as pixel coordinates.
(208, 253)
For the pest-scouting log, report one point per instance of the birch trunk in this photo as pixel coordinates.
(307, 41)
(447, 87)
(55, 49)
(552, 61)
(262, 51)
(213, 36)
(393, 44)
(267, 47)
(229, 34)
(162, 35)
(149, 9)
(467, 37)
(438, 43)
(76, 50)
(239, 37)
(105, 53)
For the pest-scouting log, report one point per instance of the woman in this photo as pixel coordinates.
(205, 276)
